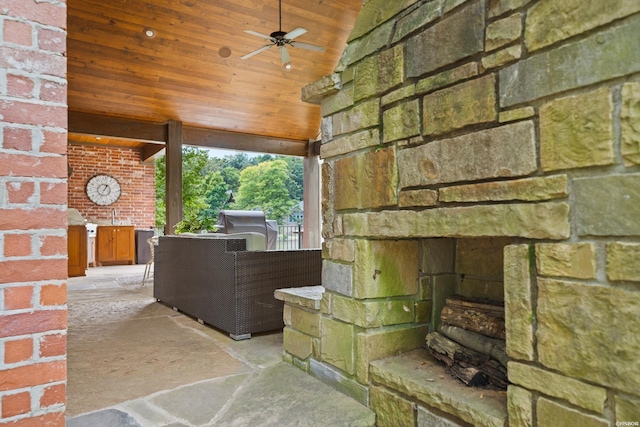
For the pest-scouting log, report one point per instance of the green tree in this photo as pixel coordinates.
(194, 187)
(264, 187)
(231, 177)
(240, 161)
(296, 176)
(216, 195)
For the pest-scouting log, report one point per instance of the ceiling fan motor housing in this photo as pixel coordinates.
(279, 38)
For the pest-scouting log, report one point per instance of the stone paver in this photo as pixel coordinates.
(184, 373)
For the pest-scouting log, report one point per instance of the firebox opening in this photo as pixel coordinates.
(467, 330)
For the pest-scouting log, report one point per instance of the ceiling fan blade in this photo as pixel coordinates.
(255, 33)
(255, 52)
(295, 33)
(284, 55)
(307, 46)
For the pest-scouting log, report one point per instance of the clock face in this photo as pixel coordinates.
(103, 190)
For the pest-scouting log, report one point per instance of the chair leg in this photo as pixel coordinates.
(147, 271)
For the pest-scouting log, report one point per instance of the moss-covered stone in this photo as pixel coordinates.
(379, 73)
(374, 13)
(516, 114)
(446, 78)
(370, 43)
(360, 116)
(350, 143)
(550, 21)
(377, 344)
(607, 205)
(423, 311)
(437, 256)
(450, 40)
(338, 345)
(297, 343)
(423, 15)
(397, 95)
(465, 104)
(391, 409)
(518, 302)
(503, 32)
(306, 322)
(481, 257)
(385, 268)
(339, 101)
(367, 180)
(397, 312)
(345, 384)
(482, 289)
(630, 120)
(623, 262)
(627, 408)
(577, 260)
(401, 121)
(506, 151)
(499, 7)
(365, 314)
(599, 57)
(520, 407)
(426, 291)
(428, 418)
(443, 287)
(418, 375)
(577, 131)
(315, 92)
(537, 221)
(342, 250)
(551, 384)
(553, 414)
(597, 325)
(326, 303)
(528, 189)
(417, 198)
(501, 57)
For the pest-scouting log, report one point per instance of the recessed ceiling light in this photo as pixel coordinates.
(149, 32)
(224, 52)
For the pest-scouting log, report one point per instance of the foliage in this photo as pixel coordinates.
(264, 187)
(209, 182)
(231, 177)
(216, 195)
(193, 224)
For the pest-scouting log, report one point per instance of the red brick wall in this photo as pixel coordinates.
(136, 204)
(33, 217)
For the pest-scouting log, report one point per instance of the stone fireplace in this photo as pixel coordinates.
(472, 147)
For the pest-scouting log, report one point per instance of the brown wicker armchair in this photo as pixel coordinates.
(221, 284)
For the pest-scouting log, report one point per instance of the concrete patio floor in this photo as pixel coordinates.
(135, 362)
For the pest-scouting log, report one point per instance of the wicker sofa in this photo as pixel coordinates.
(216, 280)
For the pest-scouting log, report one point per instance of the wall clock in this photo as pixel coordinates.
(103, 190)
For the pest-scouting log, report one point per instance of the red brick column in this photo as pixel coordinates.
(33, 202)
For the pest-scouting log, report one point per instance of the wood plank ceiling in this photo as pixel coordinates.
(116, 72)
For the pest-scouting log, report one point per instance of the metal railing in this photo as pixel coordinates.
(289, 236)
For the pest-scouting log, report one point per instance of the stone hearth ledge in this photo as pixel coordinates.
(417, 374)
(528, 220)
(307, 296)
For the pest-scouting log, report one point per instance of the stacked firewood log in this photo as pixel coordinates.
(471, 342)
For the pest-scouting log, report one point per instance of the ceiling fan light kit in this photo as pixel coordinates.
(281, 39)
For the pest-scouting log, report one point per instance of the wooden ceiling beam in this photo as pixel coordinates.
(150, 152)
(212, 138)
(157, 134)
(117, 127)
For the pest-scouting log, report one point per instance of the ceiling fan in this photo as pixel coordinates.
(281, 40)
